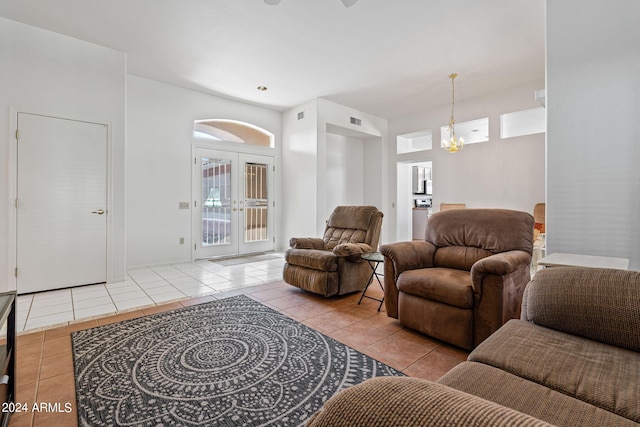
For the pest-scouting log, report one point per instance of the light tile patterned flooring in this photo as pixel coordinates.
(142, 287)
(44, 356)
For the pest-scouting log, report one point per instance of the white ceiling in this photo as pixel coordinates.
(383, 57)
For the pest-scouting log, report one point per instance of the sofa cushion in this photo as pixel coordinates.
(528, 397)
(600, 374)
(595, 303)
(445, 285)
(312, 258)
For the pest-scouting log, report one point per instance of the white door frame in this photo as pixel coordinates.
(13, 188)
(196, 217)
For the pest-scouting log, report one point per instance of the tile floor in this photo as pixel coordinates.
(142, 287)
(45, 364)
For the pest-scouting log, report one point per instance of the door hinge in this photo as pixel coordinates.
(274, 204)
(195, 160)
(274, 239)
(195, 203)
(16, 203)
(194, 246)
(17, 133)
(16, 272)
(274, 168)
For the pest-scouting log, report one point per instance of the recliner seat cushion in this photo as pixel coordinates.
(445, 285)
(312, 258)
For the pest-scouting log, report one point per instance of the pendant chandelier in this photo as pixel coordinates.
(453, 144)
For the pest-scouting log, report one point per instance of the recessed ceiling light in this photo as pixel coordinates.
(262, 88)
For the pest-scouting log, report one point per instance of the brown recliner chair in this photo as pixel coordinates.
(466, 279)
(332, 265)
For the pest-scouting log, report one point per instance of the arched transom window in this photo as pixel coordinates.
(233, 131)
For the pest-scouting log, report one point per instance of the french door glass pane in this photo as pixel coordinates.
(216, 201)
(255, 202)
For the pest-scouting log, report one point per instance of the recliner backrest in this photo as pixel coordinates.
(465, 236)
(353, 224)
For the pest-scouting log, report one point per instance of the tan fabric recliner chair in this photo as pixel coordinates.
(466, 279)
(332, 265)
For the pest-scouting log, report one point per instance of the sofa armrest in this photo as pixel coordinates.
(404, 401)
(352, 251)
(594, 303)
(306, 243)
(399, 257)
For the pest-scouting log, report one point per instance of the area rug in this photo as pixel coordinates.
(226, 262)
(230, 362)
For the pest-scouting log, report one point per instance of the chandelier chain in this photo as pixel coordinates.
(453, 97)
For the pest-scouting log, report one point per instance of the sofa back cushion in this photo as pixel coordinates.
(353, 224)
(595, 303)
(465, 236)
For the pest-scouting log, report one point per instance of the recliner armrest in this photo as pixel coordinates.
(498, 282)
(501, 263)
(399, 257)
(306, 243)
(352, 251)
(409, 255)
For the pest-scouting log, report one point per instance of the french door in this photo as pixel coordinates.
(232, 203)
(61, 205)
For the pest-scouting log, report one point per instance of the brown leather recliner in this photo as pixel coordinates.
(332, 265)
(466, 279)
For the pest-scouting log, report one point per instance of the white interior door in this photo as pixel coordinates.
(232, 201)
(61, 203)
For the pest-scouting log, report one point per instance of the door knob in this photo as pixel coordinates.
(99, 212)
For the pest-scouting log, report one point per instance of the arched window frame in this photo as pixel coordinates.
(233, 131)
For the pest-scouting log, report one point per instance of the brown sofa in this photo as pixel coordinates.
(573, 359)
(466, 278)
(332, 265)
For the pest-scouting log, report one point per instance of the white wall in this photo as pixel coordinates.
(593, 108)
(159, 141)
(335, 119)
(329, 161)
(300, 171)
(48, 73)
(345, 170)
(501, 173)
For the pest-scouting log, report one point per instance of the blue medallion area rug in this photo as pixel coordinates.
(231, 362)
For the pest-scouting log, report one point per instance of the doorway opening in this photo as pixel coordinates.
(414, 198)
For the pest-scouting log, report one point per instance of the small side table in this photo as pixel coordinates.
(374, 259)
